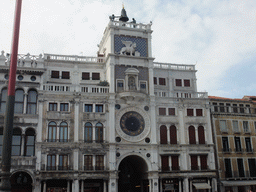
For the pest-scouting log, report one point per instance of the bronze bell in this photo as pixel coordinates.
(123, 17)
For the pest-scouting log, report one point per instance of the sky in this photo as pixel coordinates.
(218, 36)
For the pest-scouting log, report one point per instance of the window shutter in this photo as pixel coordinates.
(201, 136)
(163, 134)
(203, 159)
(190, 112)
(186, 83)
(95, 76)
(165, 163)
(171, 111)
(162, 111)
(199, 112)
(194, 164)
(192, 136)
(173, 134)
(85, 76)
(178, 82)
(175, 162)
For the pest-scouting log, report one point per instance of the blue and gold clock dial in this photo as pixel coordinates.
(132, 123)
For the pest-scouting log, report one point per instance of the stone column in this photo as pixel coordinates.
(25, 103)
(214, 185)
(39, 136)
(113, 182)
(111, 122)
(44, 186)
(161, 185)
(208, 126)
(68, 186)
(76, 159)
(181, 125)
(155, 185)
(38, 159)
(75, 186)
(37, 186)
(76, 120)
(22, 151)
(180, 183)
(185, 185)
(104, 186)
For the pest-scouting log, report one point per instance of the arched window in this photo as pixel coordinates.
(99, 132)
(1, 140)
(88, 132)
(16, 142)
(63, 132)
(192, 135)
(30, 143)
(173, 135)
(19, 101)
(52, 131)
(163, 134)
(32, 102)
(201, 136)
(3, 100)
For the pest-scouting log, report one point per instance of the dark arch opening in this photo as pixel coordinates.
(133, 175)
(21, 182)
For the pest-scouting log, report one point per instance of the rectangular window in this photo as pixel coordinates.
(55, 74)
(190, 112)
(162, 111)
(225, 144)
(65, 75)
(162, 81)
(88, 162)
(240, 166)
(228, 169)
(248, 144)
(223, 126)
(165, 163)
(222, 109)
(63, 162)
(199, 112)
(235, 126)
(241, 106)
(238, 144)
(51, 162)
(87, 107)
(252, 167)
(85, 76)
(99, 108)
(227, 108)
(64, 107)
(246, 126)
(155, 81)
(194, 163)
(248, 108)
(203, 161)
(171, 111)
(99, 162)
(52, 106)
(178, 82)
(143, 85)
(186, 83)
(175, 162)
(1, 141)
(215, 107)
(120, 84)
(95, 76)
(235, 110)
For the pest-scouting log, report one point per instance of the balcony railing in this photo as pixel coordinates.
(58, 140)
(58, 168)
(94, 168)
(172, 168)
(174, 66)
(233, 109)
(227, 150)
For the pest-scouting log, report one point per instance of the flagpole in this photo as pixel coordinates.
(5, 185)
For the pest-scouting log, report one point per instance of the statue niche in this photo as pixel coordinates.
(131, 83)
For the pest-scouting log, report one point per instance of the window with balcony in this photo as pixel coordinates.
(99, 108)
(238, 144)
(52, 132)
(192, 135)
(235, 126)
(19, 101)
(32, 102)
(201, 135)
(252, 167)
(29, 142)
(16, 142)
(162, 111)
(53, 106)
(99, 133)
(165, 163)
(175, 162)
(88, 132)
(63, 162)
(228, 168)
(248, 144)
(95, 76)
(186, 83)
(88, 108)
(64, 106)
(190, 112)
(99, 165)
(55, 74)
(173, 135)
(163, 134)
(171, 111)
(65, 75)
(51, 162)
(85, 76)
(63, 132)
(240, 166)
(223, 126)
(88, 162)
(246, 127)
(225, 144)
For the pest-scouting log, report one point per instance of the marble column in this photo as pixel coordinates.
(185, 185)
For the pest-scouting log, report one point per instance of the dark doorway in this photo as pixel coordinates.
(21, 182)
(56, 185)
(132, 175)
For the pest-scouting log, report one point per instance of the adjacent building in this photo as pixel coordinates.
(115, 122)
(234, 126)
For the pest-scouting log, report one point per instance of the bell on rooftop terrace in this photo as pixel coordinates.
(123, 17)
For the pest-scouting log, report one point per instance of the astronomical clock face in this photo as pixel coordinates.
(132, 124)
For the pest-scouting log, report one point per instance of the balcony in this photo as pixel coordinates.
(172, 168)
(226, 150)
(56, 168)
(58, 140)
(94, 168)
(234, 110)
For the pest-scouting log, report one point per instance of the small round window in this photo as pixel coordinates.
(33, 78)
(6, 76)
(20, 77)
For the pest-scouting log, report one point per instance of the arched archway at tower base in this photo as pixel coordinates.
(133, 175)
(21, 182)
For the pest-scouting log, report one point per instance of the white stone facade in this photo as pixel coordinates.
(116, 122)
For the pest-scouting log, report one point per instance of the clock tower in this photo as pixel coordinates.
(132, 127)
